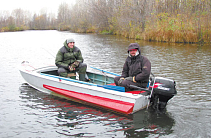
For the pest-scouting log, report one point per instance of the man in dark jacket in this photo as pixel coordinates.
(136, 69)
(69, 59)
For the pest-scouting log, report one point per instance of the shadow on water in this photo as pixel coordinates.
(73, 119)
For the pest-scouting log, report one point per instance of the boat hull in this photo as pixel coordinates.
(83, 92)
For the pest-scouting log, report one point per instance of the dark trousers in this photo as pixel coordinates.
(127, 83)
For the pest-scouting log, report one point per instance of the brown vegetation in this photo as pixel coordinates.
(186, 21)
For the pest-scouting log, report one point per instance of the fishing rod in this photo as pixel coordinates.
(103, 71)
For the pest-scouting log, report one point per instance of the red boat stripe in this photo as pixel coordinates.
(116, 105)
(135, 92)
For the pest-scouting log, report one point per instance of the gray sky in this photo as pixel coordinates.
(34, 6)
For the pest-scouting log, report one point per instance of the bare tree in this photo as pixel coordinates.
(64, 16)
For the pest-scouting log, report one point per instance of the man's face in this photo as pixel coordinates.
(133, 52)
(71, 44)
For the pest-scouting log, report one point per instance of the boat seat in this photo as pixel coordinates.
(71, 75)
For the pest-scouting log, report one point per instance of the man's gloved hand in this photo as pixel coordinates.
(131, 79)
(71, 68)
(120, 81)
(74, 65)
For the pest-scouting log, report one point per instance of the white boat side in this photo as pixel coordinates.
(35, 79)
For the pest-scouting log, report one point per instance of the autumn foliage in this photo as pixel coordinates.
(180, 21)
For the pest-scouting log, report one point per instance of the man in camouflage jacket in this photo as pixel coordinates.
(69, 59)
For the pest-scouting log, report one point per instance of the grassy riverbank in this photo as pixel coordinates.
(164, 28)
(177, 21)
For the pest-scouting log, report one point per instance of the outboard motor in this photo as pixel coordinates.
(162, 90)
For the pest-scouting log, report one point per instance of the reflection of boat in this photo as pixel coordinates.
(100, 91)
(148, 123)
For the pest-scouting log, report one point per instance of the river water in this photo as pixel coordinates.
(26, 112)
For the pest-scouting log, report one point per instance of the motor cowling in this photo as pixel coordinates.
(163, 90)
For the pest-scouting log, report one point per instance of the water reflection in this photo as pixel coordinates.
(73, 119)
(69, 118)
(151, 123)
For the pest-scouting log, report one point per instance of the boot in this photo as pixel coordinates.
(82, 77)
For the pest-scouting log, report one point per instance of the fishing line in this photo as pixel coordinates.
(49, 53)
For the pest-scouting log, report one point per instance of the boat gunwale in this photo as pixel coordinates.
(76, 84)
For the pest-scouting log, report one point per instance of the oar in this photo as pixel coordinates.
(105, 71)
